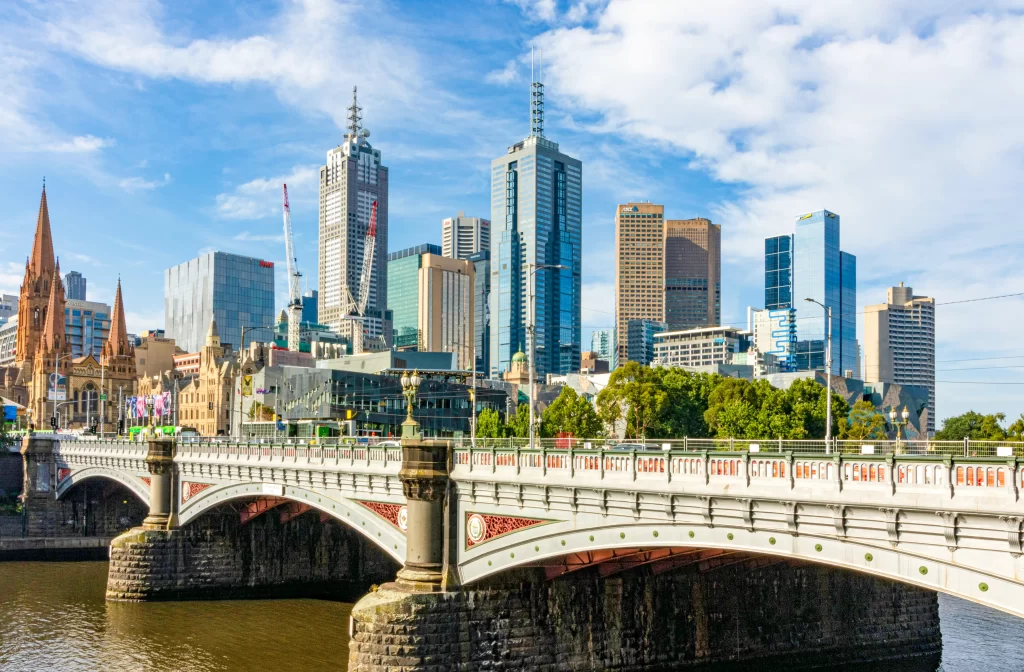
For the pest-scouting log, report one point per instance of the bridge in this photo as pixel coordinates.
(942, 516)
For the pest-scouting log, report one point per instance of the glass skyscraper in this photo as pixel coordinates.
(536, 220)
(481, 306)
(778, 272)
(403, 299)
(237, 290)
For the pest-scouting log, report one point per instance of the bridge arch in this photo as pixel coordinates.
(360, 518)
(547, 543)
(133, 484)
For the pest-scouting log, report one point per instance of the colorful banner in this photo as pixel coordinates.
(140, 407)
(158, 405)
(246, 386)
(58, 387)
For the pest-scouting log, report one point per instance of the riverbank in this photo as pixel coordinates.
(59, 549)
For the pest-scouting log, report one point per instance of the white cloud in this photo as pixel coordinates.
(11, 275)
(261, 197)
(139, 322)
(539, 10)
(136, 183)
(505, 76)
(246, 236)
(83, 258)
(80, 144)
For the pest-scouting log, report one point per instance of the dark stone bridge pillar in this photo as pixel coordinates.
(160, 463)
(425, 484)
(39, 491)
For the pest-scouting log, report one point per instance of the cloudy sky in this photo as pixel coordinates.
(166, 128)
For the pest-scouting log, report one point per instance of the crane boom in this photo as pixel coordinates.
(294, 298)
(367, 273)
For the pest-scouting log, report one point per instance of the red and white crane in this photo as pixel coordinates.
(294, 297)
(367, 273)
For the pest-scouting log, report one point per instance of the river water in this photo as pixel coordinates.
(53, 617)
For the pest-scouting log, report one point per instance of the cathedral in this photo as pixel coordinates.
(91, 387)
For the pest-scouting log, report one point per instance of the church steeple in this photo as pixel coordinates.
(117, 344)
(53, 327)
(36, 288)
(41, 262)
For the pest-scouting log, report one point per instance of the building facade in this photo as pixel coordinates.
(640, 334)
(154, 355)
(778, 273)
(351, 181)
(691, 348)
(602, 342)
(899, 343)
(235, 290)
(536, 216)
(693, 273)
(205, 400)
(310, 306)
(774, 333)
(482, 309)
(8, 341)
(639, 269)
(75, 284)
(8, 307)
(87, 324)
(463, 236)
(403, 274)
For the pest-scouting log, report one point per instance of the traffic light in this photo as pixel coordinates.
(120, 426)
(53, 422)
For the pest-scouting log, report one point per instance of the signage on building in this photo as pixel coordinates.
(246, 386)
(10, 413)
(58, 388)
(632, 209)
(266, 264)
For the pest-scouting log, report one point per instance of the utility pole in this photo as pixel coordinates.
(120, 405)
(103, 394)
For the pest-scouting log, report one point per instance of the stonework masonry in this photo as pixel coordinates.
(217, 557)
(780, 617)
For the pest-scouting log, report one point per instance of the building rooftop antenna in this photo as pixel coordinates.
(537, 98)
(354, 116)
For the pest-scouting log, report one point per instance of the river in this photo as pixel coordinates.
(53, 617)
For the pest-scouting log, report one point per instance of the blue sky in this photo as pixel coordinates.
(166, 128)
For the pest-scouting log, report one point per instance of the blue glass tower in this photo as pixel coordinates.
(778, 272)
(536, 220)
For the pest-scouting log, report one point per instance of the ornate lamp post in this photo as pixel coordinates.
(828, 376)
(905, 415)
(410, 383)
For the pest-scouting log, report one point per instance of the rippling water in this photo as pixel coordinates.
(53, 617)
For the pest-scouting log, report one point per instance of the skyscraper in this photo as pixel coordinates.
(821, 271)
(404, 279)
(310, 306)
(536, 213)
(778, 272)
(640, 334)
(899, 342)
(86, 326)
(693, 273)
(350, 182)
(462, 236)
(75, 284)
(237, 290)
(639, 270)
(602, 341)
(482, 309)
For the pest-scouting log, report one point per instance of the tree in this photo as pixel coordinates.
(633, 393)
(519, 424)
(972, 425)
(1016, 430)
(864, 422)
(688, 395)
(571, 414)
(807, 398)
(489, 425)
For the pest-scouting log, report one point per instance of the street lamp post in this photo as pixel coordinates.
(828, 376)
(410, 428)
(531, 326)
(57, 359)
(905, 415)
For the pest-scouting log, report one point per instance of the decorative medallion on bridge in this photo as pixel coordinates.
(63, 473)
(482, 527)
(396, 514)
(147, 480)
(190, 490)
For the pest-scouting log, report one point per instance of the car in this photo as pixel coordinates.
(389, 444)
(636, 446)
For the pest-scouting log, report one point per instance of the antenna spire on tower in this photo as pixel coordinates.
(354, 116)
(537, 99)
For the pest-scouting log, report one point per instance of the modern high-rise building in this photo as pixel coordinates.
(640, 334)
(602, 342)
(463, 236)
(778, 272)
(433, 299)
(8, 340)
(693, 273)
(821, 271)
(352, 180)
(482, 309)
(639, 269)
(690, 348)
(536, 214)
(74, 282)
(86, 326)
(8, 307)
(237, 290)
(311, 306)
(899, 343)
(775, 334)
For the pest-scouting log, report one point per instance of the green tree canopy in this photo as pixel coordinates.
(973, 425)
(634, 393)
(489, 425)
(864, 422)
(571, 414)
(1016, 430)
(519, 424)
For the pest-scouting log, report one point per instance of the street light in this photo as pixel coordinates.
(410, 383)
(57, 359)
(897, 424)
(828, 376)
(530, 329)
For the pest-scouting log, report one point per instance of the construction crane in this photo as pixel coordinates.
(294, 284)
(368, 247)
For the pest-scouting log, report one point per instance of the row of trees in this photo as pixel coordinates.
(672, 403)
(973, 425)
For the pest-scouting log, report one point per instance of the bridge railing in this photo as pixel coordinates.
(963, 448)
(298, 452)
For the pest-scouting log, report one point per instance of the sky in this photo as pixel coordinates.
(164, 129)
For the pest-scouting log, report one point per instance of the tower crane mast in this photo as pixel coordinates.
(367, 273)
(294, 284)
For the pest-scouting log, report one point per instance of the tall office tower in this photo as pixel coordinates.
(899, 342)
(310, 307)
(86, 326)
(602, 342)
(8, 307)
(821, 271)
(775, 334)
(693, 273)
(75, 284)
(778, 272)
(639, 269)
(482, 309)
(640, 334)
(352, 179)
(435, 294)
(237, 290)
(536, 212)
(462, 236)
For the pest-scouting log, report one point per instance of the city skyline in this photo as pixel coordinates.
(226, 198)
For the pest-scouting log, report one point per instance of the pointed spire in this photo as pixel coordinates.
(53, 326)
(117, 344)
(213, 336)
(354, 116)
(41, 262)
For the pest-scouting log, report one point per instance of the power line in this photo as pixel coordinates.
(975, 382)
(981, 359)
(985, 368)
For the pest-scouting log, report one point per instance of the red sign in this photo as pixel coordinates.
(266, 264)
